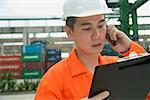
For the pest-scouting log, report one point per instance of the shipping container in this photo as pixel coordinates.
(53, 52)
(33, 65)
(31, 57)
(54, 58)
(29, 74)
(10, 60)
(40, 42)
(109, 51)
(48, 65)
(11, 68)
(15, 74)
(31, 49)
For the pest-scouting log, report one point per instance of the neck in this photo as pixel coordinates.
(89, 60)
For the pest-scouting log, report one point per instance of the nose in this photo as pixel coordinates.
(95, 34)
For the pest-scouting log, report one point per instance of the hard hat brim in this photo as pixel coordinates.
(88, 13)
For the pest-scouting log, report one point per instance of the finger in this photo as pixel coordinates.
(111, 42)
(112, 39)
(86, 98)
(109, 39)
(112, 32)
(109, 28)
(113, 35)
(102, 95)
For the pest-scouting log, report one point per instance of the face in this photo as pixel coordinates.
(89, 34)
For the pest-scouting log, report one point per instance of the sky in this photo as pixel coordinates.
(43, 8)
(31, 8)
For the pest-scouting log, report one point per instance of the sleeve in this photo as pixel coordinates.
(135, 47)
(148, 96)
(49, 87)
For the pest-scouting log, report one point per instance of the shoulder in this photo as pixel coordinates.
(57, 69)
(53, 80)
(55, 76)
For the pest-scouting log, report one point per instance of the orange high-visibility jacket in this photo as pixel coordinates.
(69, 79)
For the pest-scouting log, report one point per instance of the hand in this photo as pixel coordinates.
(119, 41)
(99, 96)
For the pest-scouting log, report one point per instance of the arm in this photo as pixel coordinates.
(148, 96)
(134, 47)
(49, 87)
(123, 44)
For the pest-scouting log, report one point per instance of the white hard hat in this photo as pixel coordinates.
(83, 8)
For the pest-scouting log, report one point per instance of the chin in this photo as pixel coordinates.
(96, 51)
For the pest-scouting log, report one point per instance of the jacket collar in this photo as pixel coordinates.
(76, 66)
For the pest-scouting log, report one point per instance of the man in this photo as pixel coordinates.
(70, 79)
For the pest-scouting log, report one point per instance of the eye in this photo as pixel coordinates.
(86, 29)
(100, 26)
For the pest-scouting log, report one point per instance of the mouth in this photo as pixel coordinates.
(96, 45)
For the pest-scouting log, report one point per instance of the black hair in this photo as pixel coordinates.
(70, 22)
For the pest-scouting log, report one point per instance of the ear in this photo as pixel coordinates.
(68, 30)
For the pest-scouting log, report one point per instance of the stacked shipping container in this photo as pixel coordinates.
(33, 61)
(52, 57)
(10, 65)
(109, 51)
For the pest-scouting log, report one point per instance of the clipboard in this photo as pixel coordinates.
(126, 80)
